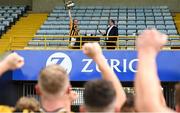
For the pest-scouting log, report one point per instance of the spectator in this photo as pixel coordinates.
(128, 106)
(28, 104)
(94, 51)
(149, 97)
(55, 90)
(6, 109)
(177, 97)
(11, 62)
(99, 96)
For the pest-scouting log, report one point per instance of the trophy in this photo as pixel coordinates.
(69, 5)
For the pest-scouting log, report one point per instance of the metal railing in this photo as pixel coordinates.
(50, 41)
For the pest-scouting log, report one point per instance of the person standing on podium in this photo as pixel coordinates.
(73, 27)
(112, 30)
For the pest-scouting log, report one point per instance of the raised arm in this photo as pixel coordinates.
(70, 19)
(149, 96)
(11, 62)
(94, 51)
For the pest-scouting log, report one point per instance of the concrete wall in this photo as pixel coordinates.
(16, 2)
(48, 5)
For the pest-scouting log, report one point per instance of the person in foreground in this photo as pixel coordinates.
(55, 90)
(11, 62)
(113, 92)
(128, 105)
(177, 97)
(27, 104)
(149, 97)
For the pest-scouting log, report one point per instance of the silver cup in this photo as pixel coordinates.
(70, 4)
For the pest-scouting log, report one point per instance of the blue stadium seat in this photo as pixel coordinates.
(141, 18)
(131, 27)
(122, 27)
(130, 21)
(163, 31)
(122, 43)
(168, 18)
(105, 22)
(130, 32)
(172, 32)
(159, 22)
(150, 22)
(131, 18)
(169, 22)
(122, 18)
(122, 32)
(170, 27)
(159, 18)
(161, 27)
(130, 43)
(140, 22)
(141, 27)
(122, 22)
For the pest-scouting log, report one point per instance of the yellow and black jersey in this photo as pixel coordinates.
(74, 30)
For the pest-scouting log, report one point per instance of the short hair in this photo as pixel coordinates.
(53, 79)
(113, 21)
(75, 19)
(99, 96)
(177, 94)
(27, 103)
(129, 104)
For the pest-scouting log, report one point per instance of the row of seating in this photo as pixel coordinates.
(129, 32)
(130, 21)
(94, 14)
(106, 17)
(114, 10)
(120, 43)
(96, 23)
(8, 16)
(13, 7)
(112, 7)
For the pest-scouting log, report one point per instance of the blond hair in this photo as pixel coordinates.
(53, 80)
(27, 103)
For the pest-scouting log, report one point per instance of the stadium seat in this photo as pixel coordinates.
(130, 21)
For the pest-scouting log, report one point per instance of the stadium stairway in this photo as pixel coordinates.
(18, 36)
(177, 21)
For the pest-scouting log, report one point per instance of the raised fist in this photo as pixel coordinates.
(92, 50)
(13, 61)
(151, 40)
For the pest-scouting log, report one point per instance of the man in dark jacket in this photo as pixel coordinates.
(112, 30)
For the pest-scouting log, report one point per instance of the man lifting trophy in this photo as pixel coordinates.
(73, 26)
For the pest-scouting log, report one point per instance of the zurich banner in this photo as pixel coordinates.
(82, 68)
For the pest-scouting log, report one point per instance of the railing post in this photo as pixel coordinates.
(11, 41)
(80, 42)
(45, 42)
(117, 43)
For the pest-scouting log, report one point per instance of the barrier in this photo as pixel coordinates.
(122, 41)
(82, 68)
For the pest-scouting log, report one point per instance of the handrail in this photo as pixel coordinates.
(46, 39)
